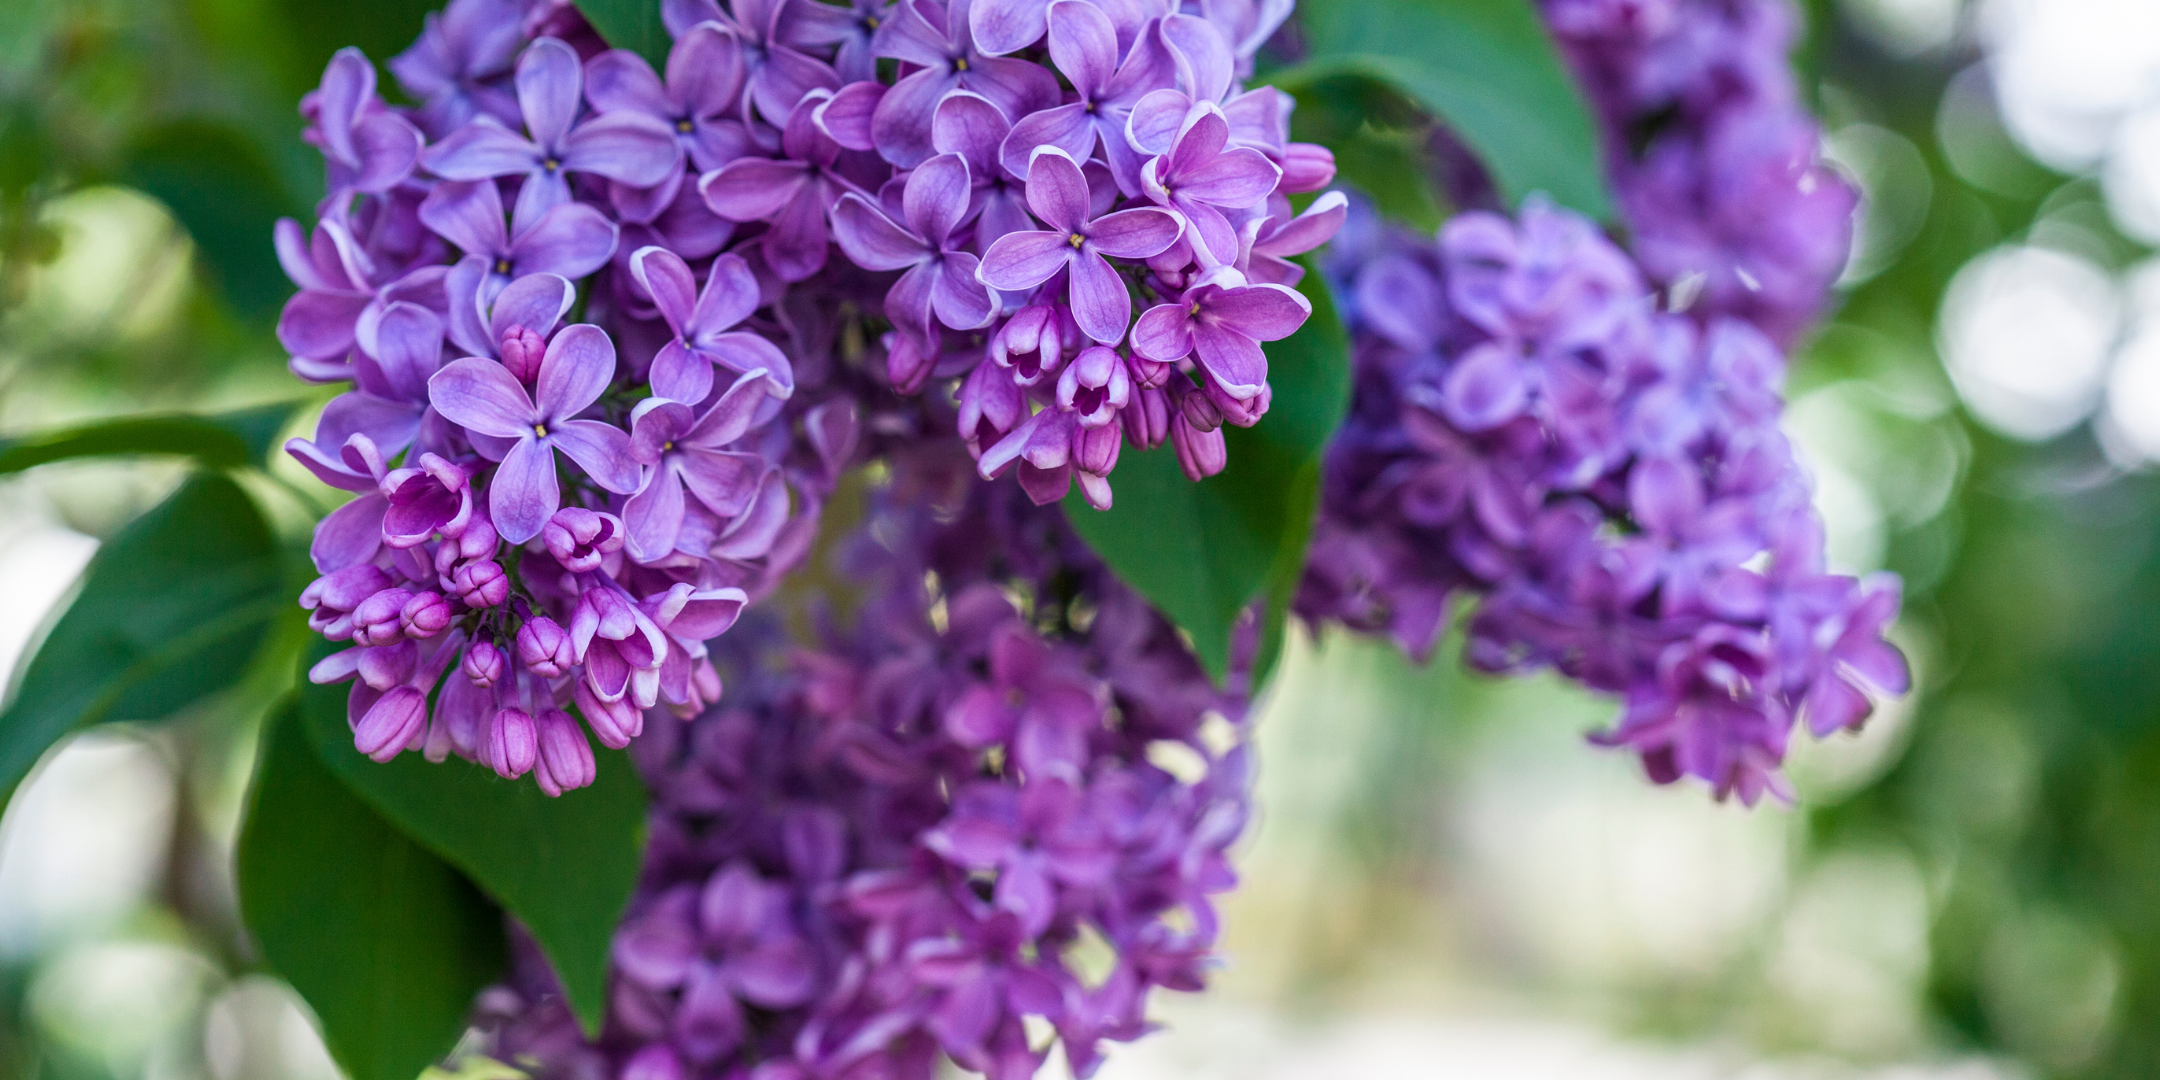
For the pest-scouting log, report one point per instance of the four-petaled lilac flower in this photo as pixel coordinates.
(570, 240)
(367, 147)
(1200, 179)
(938, 41)
(771, 35)
(699, 102)
(1084, 45)
(793, 193)
(683, 450)
(939, 280)
(457, 66)
(1076, 242)
(973, 127)
(482, 395)
(628, 148)
(703, 322)
(1223, 325)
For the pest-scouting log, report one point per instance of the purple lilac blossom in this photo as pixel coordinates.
(561, 249)
(887, 851)
(1609, 483)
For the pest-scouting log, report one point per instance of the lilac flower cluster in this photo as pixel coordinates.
(1607, 478)
(1731, 208)
(604, 360)
(946, 824)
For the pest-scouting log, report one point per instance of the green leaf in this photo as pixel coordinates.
(630, 24)
(1486, 68)
(226, 192)
(221, 441)
(564, 867)
(171, 611)
(1202, 553)
(387, 943)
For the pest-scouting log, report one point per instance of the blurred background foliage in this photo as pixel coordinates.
(1446, 879)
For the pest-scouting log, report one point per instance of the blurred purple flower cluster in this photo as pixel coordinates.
(1609, 479)
(597, 334)
(953, 819)
(1714, 157)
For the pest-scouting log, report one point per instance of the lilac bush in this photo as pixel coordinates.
(607, 328)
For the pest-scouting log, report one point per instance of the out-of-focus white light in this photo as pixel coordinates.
(1907, 27)
(2133, 395)
(1896, 188)
(2026, 334)
(2132, 177)
(258, 1030)
(2067, 71)
(82, 841)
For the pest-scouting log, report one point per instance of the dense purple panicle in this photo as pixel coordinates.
(1607, 479)
(607, 328)
(946, 821)
(1713, 155)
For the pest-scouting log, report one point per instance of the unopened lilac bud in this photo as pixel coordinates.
(1196, 407)
(345, 589)
(1305, 167)
(1147, 420)
(512, 743)
(521, 353)
(1095, 386)
(1031, 344)
(1242, 413)
(990, 407)
(385, 666)
(581, 539)
(1095, 450)
(908, 362)
(1200, 453)
(543, 646)
(1150, 374)
(564, 761)
(434, 498)
(391, 723)
(483, 663)
(658, 1061)
(480, 584)
(425, 615)
(614, 723)
(375, 621)
(478, 540)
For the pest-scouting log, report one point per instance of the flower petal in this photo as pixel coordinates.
(958, 295)
(667, 279)
(1134, 234)
(1004, 26)
(1022, 260)
(742, 351)
(1056, 190)
(572, 240)
(536, 302)
(482, 395)
(729, 418)
(872, 240)
(654, 516)
(1100, 302)
(753, 189)
(481, 150)
(523, 495)
(627, 147)
(1066, 127)
(1083, 45)
(550, 86)
(1232, 359)
(1164, 333)
(680, 373)
(936, 197)
(601, 449)
(579, 364)
(901, 125)
(972, 126)
(724, 482)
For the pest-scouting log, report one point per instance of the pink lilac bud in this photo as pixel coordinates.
(480, 584)
(521, 353)
(512, 743)
(1148, 374)
(1200, 453)
(375, 621)
(990, 407)
(1306, 167)
(614, 723)
(1095, 386)
(1095, 450)
(332, 598)
(391, 723)
(543, 646)
(478, 540)
(434, 498)
(908, 363)
(1032, 343)
(582, 539)
(483, 663)
(1241, 413)
(1195, 406)
(657, 1061)
(425, 615)
(387, 666)
(1147, 420)
(564, 761)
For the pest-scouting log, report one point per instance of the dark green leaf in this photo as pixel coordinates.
(1485, 68)
(388, 943)
(378, 28)
(220, 441)
(228, 195)
(171, 610)
(630, 24)
(1202, 553)
(565, 867)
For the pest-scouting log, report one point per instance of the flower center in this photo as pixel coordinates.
(1076, 239)
(551, 165)
(540, 430)
(870, 22)
(502, 266)
(959, 63)
(685, 126)
(667, 446)
(1194, 309)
